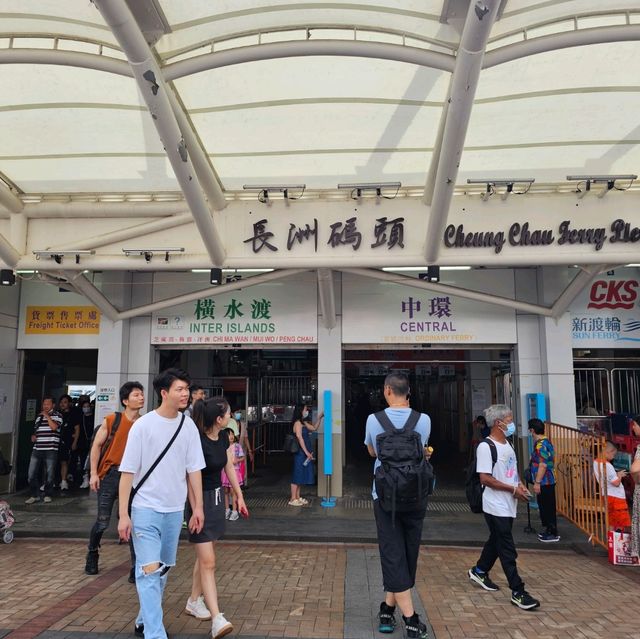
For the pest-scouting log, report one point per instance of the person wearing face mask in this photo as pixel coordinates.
(303, 470)
(502, 490)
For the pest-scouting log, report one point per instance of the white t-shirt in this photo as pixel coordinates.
(612, 491)
(499, 503)
(166, 489)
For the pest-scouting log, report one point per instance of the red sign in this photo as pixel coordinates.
(613, 294)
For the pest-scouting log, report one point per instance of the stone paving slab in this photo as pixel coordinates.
(313, 591)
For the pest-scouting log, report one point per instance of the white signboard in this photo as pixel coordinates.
(607, 314)
(282, 312)
(106, 402)
(377, 312)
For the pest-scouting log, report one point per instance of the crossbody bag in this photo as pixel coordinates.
(134, 490)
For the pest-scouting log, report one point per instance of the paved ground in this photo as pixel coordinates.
(311, 591)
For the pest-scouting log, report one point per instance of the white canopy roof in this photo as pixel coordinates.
(316, 119)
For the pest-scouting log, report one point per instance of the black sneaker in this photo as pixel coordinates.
(524, 600)
(91, 565)
(138, 630)
(548, 538)
(482, 579)
(415, 628)
(386, 618)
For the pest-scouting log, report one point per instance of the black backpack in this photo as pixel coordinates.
(472, 485)
(404, 478)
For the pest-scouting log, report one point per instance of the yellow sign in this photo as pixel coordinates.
(62, 320)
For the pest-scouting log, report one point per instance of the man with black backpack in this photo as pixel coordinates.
(497, 469)
(397, 437)
(107, 449)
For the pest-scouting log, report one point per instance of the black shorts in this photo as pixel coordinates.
(399, 546)
(214, 521)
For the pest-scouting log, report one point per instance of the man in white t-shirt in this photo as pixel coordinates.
(157, 507)
(497, 467)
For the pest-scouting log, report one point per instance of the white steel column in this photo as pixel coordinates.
(464, 82)
(330, 378)
(326, 295)
(154, 89)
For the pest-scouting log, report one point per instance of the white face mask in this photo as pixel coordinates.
(238, 416)
(305, 414)
(86, 410)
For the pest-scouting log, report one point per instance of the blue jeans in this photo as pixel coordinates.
(155, 539)
(49, 458)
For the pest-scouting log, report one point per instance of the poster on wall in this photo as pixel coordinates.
(607, 313)
(377, 312)
(272, 313)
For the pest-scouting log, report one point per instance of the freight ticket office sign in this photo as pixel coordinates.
(62, 320)
(273, 313)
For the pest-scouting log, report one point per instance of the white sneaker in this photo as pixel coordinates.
(198, 608)
(295, 502)
(47, 500)
(31, 500)
(85, 482)
(64, 485)
(234, 516)
(227, 513)
(220, 626)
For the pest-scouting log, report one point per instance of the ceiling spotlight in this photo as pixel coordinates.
(357, 190)
(609, 182)
(432, 274)
(7, 277)
(285, 189)
(508, 183)
(148, 253)
(58, 256)
(215, 276)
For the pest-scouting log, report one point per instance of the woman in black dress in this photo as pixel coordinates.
(211, 417)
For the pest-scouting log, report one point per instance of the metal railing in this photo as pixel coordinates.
(578, 496)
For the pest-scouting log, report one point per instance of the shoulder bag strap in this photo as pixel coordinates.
(412, 421)
(384, 421)
(135, 489)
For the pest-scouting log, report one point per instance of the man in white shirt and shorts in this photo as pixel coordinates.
(497, 466)
(157, 507)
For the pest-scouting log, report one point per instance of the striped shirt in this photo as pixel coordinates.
(47, 439)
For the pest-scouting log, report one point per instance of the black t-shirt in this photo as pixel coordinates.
(215, 458)
(70, 420)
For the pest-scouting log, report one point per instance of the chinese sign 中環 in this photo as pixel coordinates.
(376, 313)
(48, 320)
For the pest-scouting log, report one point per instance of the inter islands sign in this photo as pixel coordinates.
(273, 313)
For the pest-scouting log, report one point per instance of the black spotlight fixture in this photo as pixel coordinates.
(7, 277)
(432, 274)
(216, 276)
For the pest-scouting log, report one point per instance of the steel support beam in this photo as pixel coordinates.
(8, 253)
(575, 287)
(134, 233)
(66, 59)
(154, 90)
(326, 293)
(208, 180)
(83, 286)
(446, 289)
(302, 48)
(10, 200)
(79, 209)
(564, 40)
(464, 82)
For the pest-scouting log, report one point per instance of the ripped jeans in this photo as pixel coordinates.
(155, 539)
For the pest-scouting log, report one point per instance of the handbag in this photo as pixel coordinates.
(290, 444)
(135, 489)
(620, 549)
